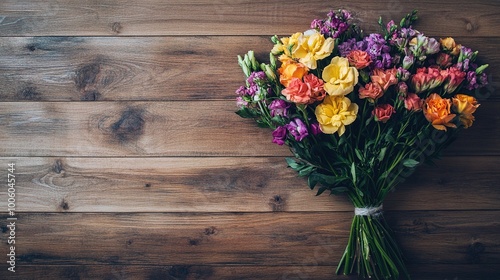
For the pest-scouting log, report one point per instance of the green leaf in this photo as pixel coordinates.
(381, 155)
(326, 179)
(302, 168)
(306, 170)
(410, 163)
(358, 154)
(292, 163)
(342, 140)
(367, 122)
(312, 181)
(359, 192)
(263, 124)
(245, 113)
(353, 172)
(321, 190)
(338, 190)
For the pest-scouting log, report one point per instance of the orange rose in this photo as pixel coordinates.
(465, 106)
(385, 78)
(437, 111)
(359, 59)
(450, 45)
(290, 69)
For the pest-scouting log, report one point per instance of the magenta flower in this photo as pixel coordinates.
(315, 128)
(298, 129)
(279, 135)
(279, 107)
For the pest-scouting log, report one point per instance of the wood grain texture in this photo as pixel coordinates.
(218, 272)
(222, 17)
(148, 68)
(429, 237)
(157, 178)
(195, 128)
(232, 184)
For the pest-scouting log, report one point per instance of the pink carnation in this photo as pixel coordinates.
(383, 113)
(372, 91)
(317, 87)
(413, 102)
(454, 78)
(428, 78)
(385, 78)
(297, 91)
(305, 92)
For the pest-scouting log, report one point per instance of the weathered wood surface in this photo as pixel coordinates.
(147, 68)
(288, 238)
(174, 272)
(157, 178)
(223, 17)
(245, 184)
(195, 128)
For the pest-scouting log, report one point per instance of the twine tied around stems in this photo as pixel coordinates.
(368, 211)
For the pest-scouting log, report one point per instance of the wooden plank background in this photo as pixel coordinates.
(131, 163)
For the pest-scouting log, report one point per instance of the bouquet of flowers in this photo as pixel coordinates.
(360, 113)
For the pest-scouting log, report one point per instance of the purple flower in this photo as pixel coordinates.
(279, 107)
(345, 15)
(279, 135)
(471, 80)
(402, 88)
(335, 25)
(403, 74)
(390, 25)
(348, 46)
(256, 77)
(375, 45)
(252, 90)
(465, 53)
(315, 128)
(475, 81)
(240, 102)
(298, 129)
(408, 61)
(241, 91)
(464, 65)
(386, 60)
(432, 46)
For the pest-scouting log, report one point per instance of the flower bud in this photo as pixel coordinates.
(481, 68)
(269, 72)
(253, 61)
(244, 66)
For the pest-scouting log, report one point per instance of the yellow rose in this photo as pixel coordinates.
(289, 43)
(312, 46)
(335, 113)
(339, 77)
(450, 45)
(465, 106)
